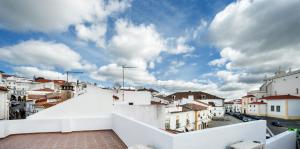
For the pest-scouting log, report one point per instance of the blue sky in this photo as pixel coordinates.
(176, 45)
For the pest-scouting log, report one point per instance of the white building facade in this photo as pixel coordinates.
(4, 104)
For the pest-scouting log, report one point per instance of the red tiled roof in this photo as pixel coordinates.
(45, 104)
(30, 96)
(280, 97)
(249, 96)
(45, 90)
(258, 103)
(53, 96)
(194, 107)
(59, 82)
(2, 88)
(42, 100)
(7, 75)
(157, 103)
(43, 80)
(229, 102)
(197, 95)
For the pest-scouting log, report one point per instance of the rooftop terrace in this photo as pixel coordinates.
(104, 139)
(89, 121)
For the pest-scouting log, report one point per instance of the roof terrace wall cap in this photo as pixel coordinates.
(278, 97)
(258, 103)
(248, 96)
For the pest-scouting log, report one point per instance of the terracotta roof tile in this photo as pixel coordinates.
(197, 95)
(280, 97)
(2, 88)
(36, 97)
(195, 107)
(45, 90)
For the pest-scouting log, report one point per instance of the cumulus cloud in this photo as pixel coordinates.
(54, 15)
(30, 72)
(255, 38)
(97, 30)
(41, 53)
(179, 45)
(88, 17)
(251, 37)
(174, 67)
(135, 43)
(113, 72)
(45, 16)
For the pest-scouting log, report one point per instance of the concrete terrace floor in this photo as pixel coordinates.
(104, 139)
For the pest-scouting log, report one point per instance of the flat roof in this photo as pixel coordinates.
(106, 139)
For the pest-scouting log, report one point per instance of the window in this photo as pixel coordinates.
(177, 123)
(272, 108)
(297, 90)
(167, 125)
(254, 106)
(187, 121)
(277, 108)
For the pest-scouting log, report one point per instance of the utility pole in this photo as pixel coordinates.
(71, 72)
(123, 69)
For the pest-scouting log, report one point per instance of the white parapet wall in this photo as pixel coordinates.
(133, 132)
(285, 140)
(150, 114)
(10, 127)
(222, 137)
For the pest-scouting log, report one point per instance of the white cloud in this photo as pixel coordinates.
(97, 30)
(54, 15)
(135, 43)
(179, 45)
(88, 17)
(94, 33)
(46, 15)
(252, 38)
(113, 72)
(174, 67)
(30, 72)
(254, 43)
(41, 53)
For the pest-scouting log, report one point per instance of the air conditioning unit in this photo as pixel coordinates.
(247, 145)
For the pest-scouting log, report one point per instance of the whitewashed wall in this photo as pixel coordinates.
(182, 116)
(151, 114)
(286, 85)
(218, 102)
(133, 132)
(136, 97)
(285, 140)
(221, 137)
(275, 103)
(95, 102)
(293, 106)
(4, 106)
(9, 127)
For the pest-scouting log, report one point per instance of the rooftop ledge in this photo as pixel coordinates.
(133, 132)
